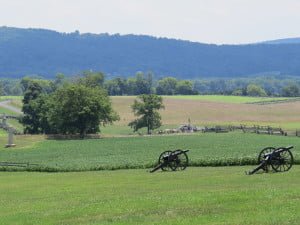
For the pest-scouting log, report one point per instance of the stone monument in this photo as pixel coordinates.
(10, 138)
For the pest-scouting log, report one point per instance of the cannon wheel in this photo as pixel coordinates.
(162, 158)
(283, 161)
(180, 162)
(261, 157)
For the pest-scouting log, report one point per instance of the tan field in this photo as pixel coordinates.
(203, 112)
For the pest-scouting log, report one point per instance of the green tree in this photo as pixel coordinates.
(255, 90)
(1, 89)
(184, 87)
(92, 79)
(59, 81)
(116, 86)
(30, 119)
(146, 108)
(291, 90)
(79, 109)
(144, 83)
(166, 86)
(46, 85)
(237, 92)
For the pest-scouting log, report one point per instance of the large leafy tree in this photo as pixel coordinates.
(30, 120)
(146, 109)
(80, 109)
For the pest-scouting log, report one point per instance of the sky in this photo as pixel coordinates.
(208, 21)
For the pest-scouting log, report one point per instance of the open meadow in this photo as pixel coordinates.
(222, 195)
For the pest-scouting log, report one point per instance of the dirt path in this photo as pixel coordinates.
(6, 104)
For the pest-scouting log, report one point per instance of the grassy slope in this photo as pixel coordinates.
(141, 152)
(195, 196)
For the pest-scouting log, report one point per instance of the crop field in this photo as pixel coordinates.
(204, 110)
(222, 195)
(140, 152)
(208, 110)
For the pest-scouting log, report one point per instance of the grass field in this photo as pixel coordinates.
(194, 196)
(140, 152)
(198, 195)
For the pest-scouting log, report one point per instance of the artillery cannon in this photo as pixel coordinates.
(276, 159)
(172, 161)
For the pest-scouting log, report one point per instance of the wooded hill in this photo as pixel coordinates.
(46, 53)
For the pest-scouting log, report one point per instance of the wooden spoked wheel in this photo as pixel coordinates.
(262, 157)
(164, 159)
(180, 160)
(282, 161)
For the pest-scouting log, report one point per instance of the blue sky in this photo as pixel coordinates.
(209, 21)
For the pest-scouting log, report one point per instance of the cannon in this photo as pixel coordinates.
(274, 159)
(172, 161)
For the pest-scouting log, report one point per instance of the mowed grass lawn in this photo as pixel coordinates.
(207, 149)
(222, 195)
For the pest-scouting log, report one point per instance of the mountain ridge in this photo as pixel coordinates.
(46, 52)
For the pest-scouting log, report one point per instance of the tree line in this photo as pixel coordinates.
(146, 83)
(80, 107)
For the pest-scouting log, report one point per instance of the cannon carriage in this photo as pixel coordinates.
(274, 159)
(172, 161)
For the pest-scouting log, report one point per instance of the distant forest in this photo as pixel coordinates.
(45, 52)
(146, 84)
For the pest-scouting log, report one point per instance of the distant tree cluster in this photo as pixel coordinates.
(257, 86)
(145, 83)
(260, 86)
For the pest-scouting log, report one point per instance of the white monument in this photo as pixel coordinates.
(10, 138)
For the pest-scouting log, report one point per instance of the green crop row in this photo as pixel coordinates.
(142, 152)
